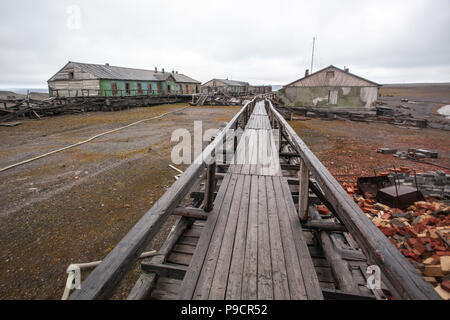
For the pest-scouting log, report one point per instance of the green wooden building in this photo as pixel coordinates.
(83, 79)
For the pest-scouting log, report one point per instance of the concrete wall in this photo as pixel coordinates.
(319, 96)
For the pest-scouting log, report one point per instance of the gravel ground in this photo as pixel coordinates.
(349, 149)
(75, 206)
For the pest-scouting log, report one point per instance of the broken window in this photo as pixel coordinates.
(330, 74)
(70, 75)
(127, 88)
(139, 86)
(114, 88)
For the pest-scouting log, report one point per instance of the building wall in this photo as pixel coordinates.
(106, 87)
(320, 96)
(339, 79)
(72, 88)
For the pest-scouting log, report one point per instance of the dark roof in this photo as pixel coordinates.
(233, 82)
(331, 66)
(121, 73)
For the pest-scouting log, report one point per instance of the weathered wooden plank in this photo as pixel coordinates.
(207, 272)
(340, 268)
(179, 258)
(190, 213)
(234, 285)
(326, 226)
(280, 277)
(303, 191)
(295, 278)
(250, 275)
(188, 286)
(210, 187)
(265, 287)
(331, 294)
(188, 240)
(184, 248)
(219, 281)
(164, 270)
(307, 268)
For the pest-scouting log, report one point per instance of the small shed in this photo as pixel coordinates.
(84, 79)
(331, 86)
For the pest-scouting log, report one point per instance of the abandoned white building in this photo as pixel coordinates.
(331, 86)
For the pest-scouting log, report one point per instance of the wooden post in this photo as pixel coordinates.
(280, 137)
(209, 187)
(303, 191)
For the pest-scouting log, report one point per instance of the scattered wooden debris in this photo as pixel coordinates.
(10, 124)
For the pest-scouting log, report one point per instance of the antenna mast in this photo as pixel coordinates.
(312, 59)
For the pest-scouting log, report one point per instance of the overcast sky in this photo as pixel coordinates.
(263, 42)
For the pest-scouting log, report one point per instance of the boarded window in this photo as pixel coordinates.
(139, 86)
(159, 87)
(149, 89)
(330, 74)
(114, 88)
(127, 88)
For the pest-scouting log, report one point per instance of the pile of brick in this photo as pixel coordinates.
(421, 233)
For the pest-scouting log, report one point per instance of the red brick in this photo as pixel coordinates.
(412, 232)
(386, 216)
(446, 285)
(323, 210)
(388, 231)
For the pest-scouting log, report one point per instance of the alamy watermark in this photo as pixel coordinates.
(374, 279)
(239, 150)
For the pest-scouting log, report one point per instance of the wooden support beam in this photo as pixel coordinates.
(289, 154)
(339, 267)
(191, 213)
(210, 187)
(303, 191)
(164, 270)
(325, 226)
(198, 195)
(330, 294)
(146, 281)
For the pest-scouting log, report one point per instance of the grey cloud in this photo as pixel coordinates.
(258, 41)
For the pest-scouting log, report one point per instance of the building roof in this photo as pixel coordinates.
(121, 73)
(233, 83)
(333, 67)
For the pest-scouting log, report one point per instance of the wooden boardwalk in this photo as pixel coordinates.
(252, 246)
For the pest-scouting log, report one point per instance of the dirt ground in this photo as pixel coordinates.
(424, 99)
(75, 206)
(349, 149)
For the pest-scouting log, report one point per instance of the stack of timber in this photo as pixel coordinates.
(361, 115)
(11, 109)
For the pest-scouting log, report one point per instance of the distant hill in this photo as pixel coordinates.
(25, 90)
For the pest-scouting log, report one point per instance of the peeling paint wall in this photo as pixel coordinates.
(319, 96)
